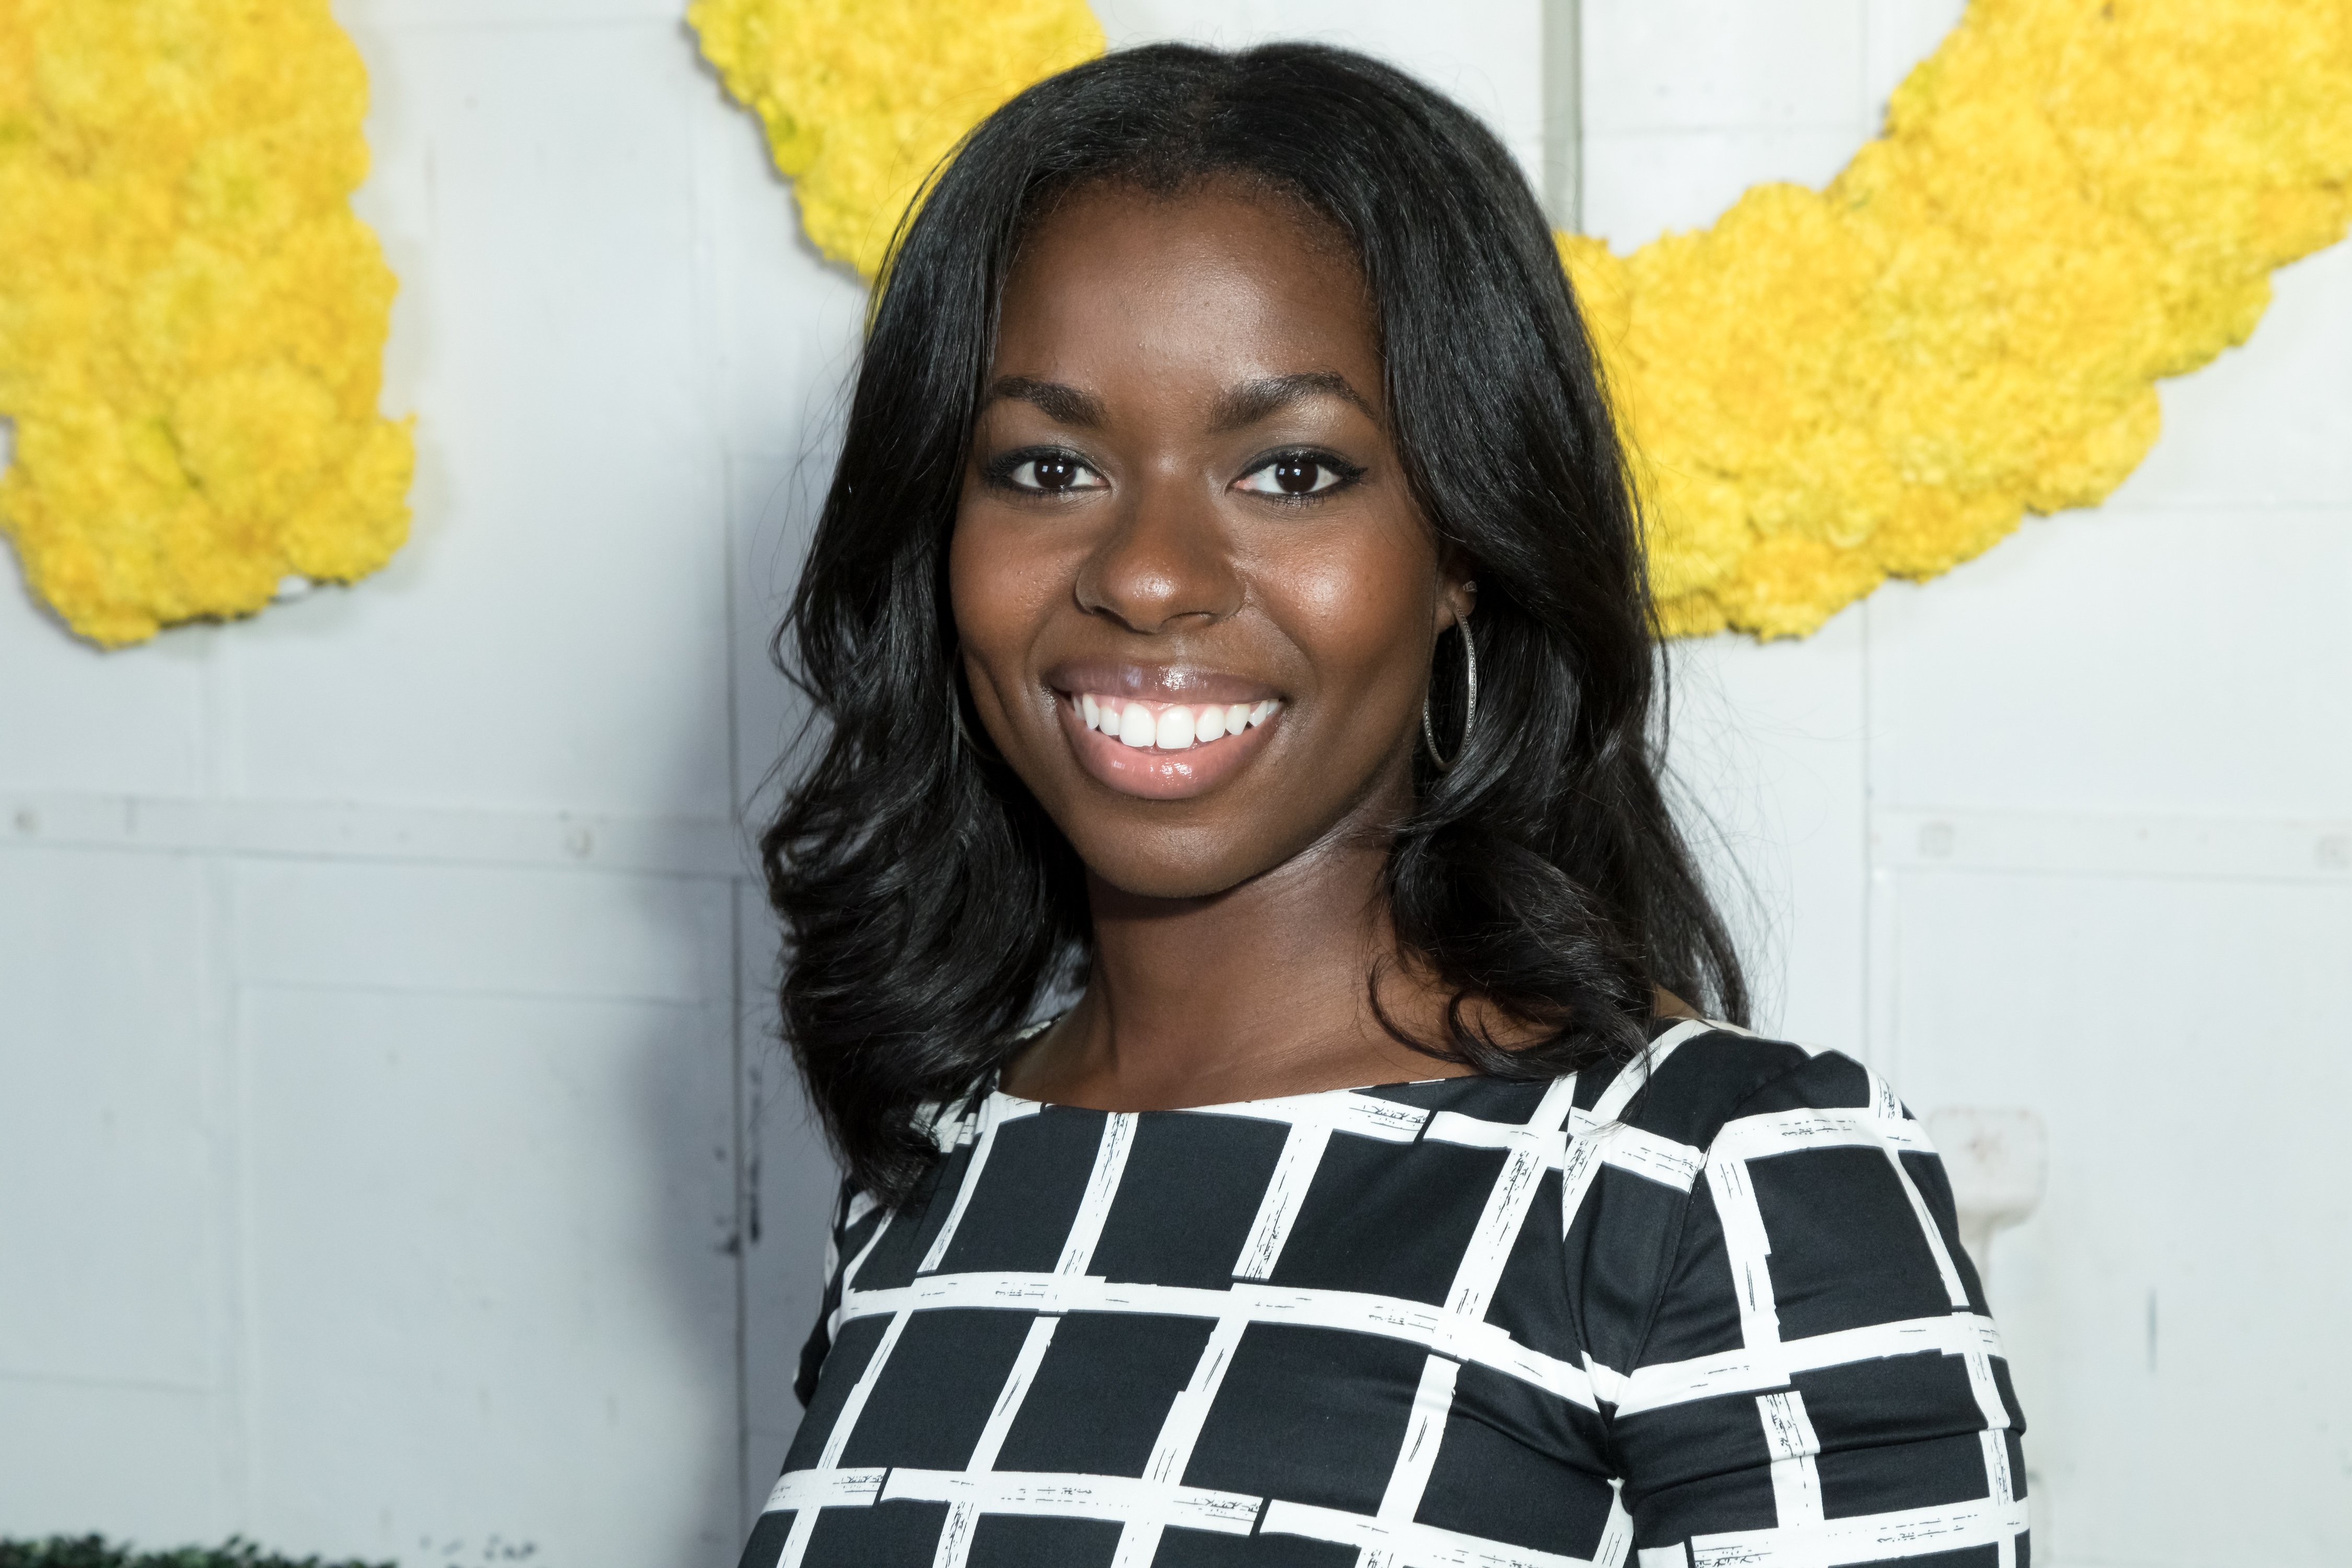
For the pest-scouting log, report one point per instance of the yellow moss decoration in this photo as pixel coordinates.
(192, 321)
(2073, 199)
(861, 99)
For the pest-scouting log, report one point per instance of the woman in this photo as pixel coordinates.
(1229, 619)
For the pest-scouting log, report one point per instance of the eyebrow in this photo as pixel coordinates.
(1252, 401)
(1240, 408)
(1062, 403)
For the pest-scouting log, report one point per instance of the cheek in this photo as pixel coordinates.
(1359, 607)
(993, 591)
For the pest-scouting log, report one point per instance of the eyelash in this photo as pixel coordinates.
(1343, 475)
(1000, 472)
(1000, 469)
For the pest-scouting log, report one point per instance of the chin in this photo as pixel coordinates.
(1147, 864)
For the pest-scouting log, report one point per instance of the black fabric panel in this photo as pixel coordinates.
(1027, 1541)
(1708, 1503)
(888, 1535)
(1208, 1549)
(2009, 1403)
(1968, 1557)
(842, 1368)
(766, 1547)
(1846, 1245)
(1897, 1399)
(1831, 1081)
(1695, 1444)
(1102, 1393)
(1187, 1198)
(936, 1390)
(1703, 1081)
(1366, 1195)
(1927, 1172)
(1533, 1300)
(1614, 1267)
(1313, 1416)
(1929, 1474)
(1029, 1192)
(909, 1228)
(1489, 1484)
(1697, 1313)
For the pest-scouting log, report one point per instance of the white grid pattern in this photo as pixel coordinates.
(1556, 1136)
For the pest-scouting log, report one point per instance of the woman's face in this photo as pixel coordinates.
(1196, 602)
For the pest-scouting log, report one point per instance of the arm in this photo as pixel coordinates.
(1819, 1383)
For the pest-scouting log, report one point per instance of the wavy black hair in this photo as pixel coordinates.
(930, 904)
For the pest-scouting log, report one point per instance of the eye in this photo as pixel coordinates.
(1299, 474)
(1044, 473)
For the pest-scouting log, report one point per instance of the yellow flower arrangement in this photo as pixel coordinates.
(2072, 199)
(192, 320)
(861, 99)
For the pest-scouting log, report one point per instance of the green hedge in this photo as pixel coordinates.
(95, 1552)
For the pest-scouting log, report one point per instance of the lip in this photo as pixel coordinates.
(1156, 682)
(1163, 776)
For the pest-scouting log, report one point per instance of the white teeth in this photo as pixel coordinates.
(1136, 727)
(1172, 729)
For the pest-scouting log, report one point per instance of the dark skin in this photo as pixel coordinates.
(1184, 480)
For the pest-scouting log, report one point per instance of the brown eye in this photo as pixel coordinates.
(1298, 474)
(1045, 473)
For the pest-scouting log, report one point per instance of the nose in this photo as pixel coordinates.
(1165, 562)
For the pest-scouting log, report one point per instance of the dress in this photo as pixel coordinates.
(1708, 1309)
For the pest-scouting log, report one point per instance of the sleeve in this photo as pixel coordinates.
(1820, 1382)
(848, 1207)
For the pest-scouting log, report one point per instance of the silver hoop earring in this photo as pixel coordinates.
(1469, 704)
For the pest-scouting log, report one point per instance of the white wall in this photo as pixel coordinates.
(392, 1159)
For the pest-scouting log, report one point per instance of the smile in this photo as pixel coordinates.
(1164, 751)
(1170, 726)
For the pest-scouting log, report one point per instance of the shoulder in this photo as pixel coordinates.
(1699, 1077)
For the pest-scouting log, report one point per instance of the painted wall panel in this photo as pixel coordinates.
(2170, 1304)
(1769, 744)
(72, 718)
(493, 1293)
(158, 1466)
(490, 931)
(2156, 661)
(110, 1116)
(555, 634)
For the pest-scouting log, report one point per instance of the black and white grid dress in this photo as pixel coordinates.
(1708, 1309)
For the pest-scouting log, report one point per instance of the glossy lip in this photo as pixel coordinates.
(1156, 683)
(1155, 774)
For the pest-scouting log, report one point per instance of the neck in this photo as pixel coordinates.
(1263, 989)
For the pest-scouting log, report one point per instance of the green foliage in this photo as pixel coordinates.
(95, 1552)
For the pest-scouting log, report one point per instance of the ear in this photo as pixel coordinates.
(1457, 596)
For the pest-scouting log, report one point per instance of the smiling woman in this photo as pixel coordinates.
(1228, 609)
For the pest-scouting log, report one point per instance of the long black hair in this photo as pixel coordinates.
(930, 904)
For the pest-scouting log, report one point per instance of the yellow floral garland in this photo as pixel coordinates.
(192, 320)
(2072, 199)
(861, 98)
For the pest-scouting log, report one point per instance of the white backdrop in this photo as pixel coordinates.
(392, 1157)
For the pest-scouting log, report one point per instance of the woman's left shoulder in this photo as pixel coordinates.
(1698, 1077)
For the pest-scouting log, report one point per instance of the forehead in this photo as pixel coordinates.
(1215, 277)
